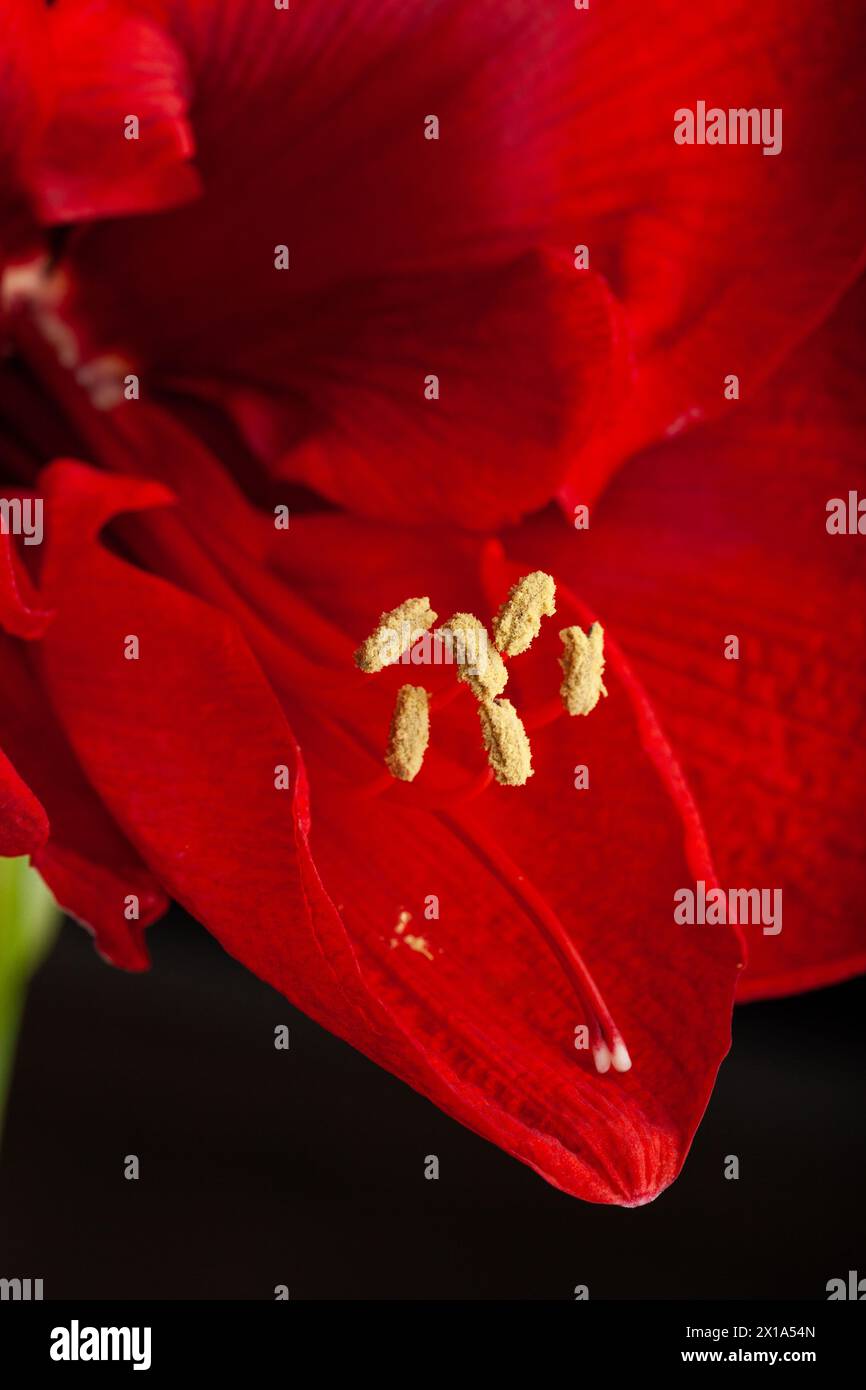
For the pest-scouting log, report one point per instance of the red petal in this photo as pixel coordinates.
(182, 745)
(87, 863)
(725, 534)
(23, 822)
(110, 62)
(724, 259)
(300, 117)
(21, 612)
(24, 82)
(523, 358)
(330, 389)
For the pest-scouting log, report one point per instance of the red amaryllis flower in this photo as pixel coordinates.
(457, 931)
(553, 907)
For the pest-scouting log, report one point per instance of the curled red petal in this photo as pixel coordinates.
(23, 821)
(22, 612)
(119, 139)
(85, 860)
(724, 259)
(184, 742)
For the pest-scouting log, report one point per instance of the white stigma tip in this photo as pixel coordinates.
(619, 1057)
(601, 1057)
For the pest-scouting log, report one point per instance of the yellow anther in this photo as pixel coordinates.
(396, 633)
(582, 662)
(410, 733)
(507, 744)
(518, 622)
(479, 663)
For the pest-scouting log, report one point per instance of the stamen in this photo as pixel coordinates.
(396, 633)
(518, 621)
(605, 1040)
(619, 1057)
(506, 742)
(479, 663)
(582, 663)
(601, 1057)
(410, 733)
(37, 289)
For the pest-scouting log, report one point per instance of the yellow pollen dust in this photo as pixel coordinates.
(518, 622)
(395, 634)
(506, 741)
(415, 943)
(419, 944)
(582, 663)
(410, 732)
(479, 663)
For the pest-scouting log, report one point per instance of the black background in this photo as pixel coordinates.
(306, 1167)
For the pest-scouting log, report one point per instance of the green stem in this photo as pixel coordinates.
(28, 924)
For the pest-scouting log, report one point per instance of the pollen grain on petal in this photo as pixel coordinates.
(518, 622)
(479, 663)
(395, 634)
(410, 733)
(506, 741)
(420, 944)
(582, 664)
